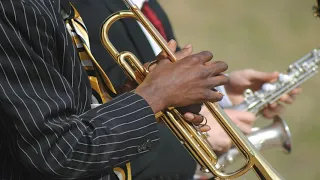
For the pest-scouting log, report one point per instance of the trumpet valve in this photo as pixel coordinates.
(204, 169)
(205, 134)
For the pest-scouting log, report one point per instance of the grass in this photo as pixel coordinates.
(268, 36)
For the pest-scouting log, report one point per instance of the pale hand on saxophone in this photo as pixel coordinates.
(276, 135)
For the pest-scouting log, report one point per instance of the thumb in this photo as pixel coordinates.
(186, 51)
(264, 76)
(172, 45)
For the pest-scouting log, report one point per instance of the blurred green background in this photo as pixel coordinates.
(268, 36)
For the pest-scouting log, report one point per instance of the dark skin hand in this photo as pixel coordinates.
(186, 82)
(172, 44)
(190, 112)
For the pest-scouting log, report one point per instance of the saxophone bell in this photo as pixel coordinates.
(274, 136)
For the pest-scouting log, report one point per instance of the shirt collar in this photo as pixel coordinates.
(139, 3)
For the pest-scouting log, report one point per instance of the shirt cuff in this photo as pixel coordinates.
(225, 102)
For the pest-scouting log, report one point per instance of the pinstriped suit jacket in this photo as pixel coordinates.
(47, 129)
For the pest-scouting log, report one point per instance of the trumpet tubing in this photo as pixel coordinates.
(189, 135)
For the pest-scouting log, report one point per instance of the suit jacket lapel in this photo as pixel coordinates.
(134, 32)
(156, 7)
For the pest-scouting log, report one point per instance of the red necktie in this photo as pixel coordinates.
(153, 18)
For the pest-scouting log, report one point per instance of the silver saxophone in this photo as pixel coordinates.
(276, 135)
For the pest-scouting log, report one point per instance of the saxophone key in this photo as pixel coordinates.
(284, 78)
(267, 87)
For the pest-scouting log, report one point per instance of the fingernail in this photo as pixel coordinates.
(171, 41)
(220, 93)
(189, 116)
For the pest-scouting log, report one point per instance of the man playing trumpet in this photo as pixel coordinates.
(48, 128)
(172, 154)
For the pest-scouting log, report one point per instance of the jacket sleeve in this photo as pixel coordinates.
(54, 132)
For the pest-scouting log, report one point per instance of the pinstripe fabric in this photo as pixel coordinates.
(48, 130)
(99, 81)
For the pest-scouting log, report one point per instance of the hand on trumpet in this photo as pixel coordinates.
(252, 79)
(172, 44)
(185, 84)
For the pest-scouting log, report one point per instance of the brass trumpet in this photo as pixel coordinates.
(275, 135)
(189, 135)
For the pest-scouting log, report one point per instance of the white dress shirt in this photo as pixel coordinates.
(225, 102)
(156, 49)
